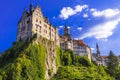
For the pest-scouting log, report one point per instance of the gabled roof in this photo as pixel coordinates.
(80, 43)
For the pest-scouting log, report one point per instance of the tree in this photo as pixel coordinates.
(113, 64)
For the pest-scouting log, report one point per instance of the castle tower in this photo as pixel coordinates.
(65, 40)
(67, 33)
(97, 50)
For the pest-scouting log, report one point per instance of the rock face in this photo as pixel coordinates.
(50, 61)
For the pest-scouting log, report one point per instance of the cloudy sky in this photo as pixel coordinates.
(94, 21)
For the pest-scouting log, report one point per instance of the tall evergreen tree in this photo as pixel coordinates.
(113, 64)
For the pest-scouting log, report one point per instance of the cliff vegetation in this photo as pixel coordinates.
(27, 61)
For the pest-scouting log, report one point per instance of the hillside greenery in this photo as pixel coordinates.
(78, 68)
(26, 61)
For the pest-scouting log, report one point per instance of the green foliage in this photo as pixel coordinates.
(118, 74)
(66, 57)
(112, 65)
(81, 73)
(26, 61)
(58, 53)
(73, 67)
(23, 62)
(82, 61)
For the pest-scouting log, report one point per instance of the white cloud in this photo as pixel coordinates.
(89, 19)
(85, 15)
(66, 12)
(76, 38)
(61, 26)
(105, 40)
(92, 9)
(102, 31)
(54, 17)
(107, 13)
(79, 28)
(68, 27)
(79, 8)
(92, 49)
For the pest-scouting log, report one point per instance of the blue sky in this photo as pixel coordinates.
(94, 21)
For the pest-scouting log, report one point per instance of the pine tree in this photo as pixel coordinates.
(113, 64)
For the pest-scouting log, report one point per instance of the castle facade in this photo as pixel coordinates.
(33, 22)
(80, 48)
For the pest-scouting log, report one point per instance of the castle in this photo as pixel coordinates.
(33, 22)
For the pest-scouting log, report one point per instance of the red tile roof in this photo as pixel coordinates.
(80, 42)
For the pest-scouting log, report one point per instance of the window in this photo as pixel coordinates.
(45, 26)
(40, 22)
(36, 20)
